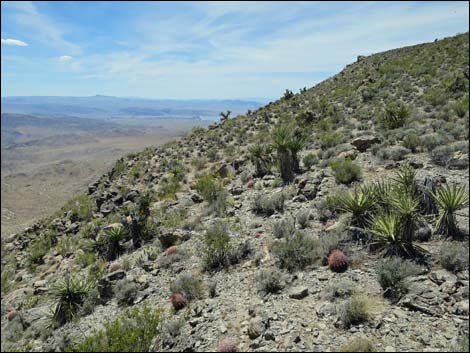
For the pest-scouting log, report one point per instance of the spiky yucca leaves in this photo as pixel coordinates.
(387, 229)
(70, 294)
(406, 208)
(260, 155)
(406, 180)
(381, 191)
(281, 142)
(288, 142)
(109, 242)
(360, 203)
(449, 198)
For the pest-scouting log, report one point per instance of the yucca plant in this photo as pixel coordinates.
(297, 143)
(406, 180)
(449, 198)
(387, 229)
(406, 207)
(109, 242)
(282, 143)
(70, 294)
(360, 204)
(381, 191)
(260, 155)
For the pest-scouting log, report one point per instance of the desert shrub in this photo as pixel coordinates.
(188, 285)
(69, 294)
(217, 247)
(460, 107)
(454, 257)
(302, 218)
(392, 274)
(213, 192)
(212, 289)
(355, 311)
(268, 204)
(80, 208)
(442, 155)
(126, 291)
(296, 252)
(394, 153)
(435, 97)
(173, 328)
(358, 344)
(411, 141)
(431, 141)
(134, 331)
(461, 344)
(340, 289)
(168, 187)
(269, 281)
(309, 160)
(345, 171)
(394, 116)
(449, 198)
(283, 228)
(39, 249)
(330, 139)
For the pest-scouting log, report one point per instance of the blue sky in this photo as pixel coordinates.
(183, 50)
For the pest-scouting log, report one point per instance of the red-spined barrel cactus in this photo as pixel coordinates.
(338, 261)
(179, 301)
(228, 345)
(171, 250)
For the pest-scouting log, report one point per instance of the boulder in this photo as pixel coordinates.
(362, 143)
(298, 292)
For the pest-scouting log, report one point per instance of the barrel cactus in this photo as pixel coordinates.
(338, 261)
(227, 345)
(178, 301)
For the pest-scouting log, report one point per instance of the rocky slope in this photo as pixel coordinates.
(207, 183)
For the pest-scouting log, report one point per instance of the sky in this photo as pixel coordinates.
(202, 50)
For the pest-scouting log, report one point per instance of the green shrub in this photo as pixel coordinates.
(442, 155)
(188, 285)
(435, 97)
(268, 205)
(217, 247)
(39, 249)
(80, 208)
(269, 281)
(69, 294)
(461, 107)
(395, 116)
(213, 192)
(168, 187)
(394, 153)
(296, 252)
(358, 344)
(454, 256)
(412, 141)
(355, 311)
(340, 289)
(345, 171)
(134, 331)
(283, 228)
(330, 139)
(309, 160)
(302, 218)
(392, 274)
(125, 291)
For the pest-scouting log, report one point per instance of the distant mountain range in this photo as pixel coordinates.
(101, 107)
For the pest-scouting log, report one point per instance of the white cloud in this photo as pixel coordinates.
(16, 42)
(65, 58)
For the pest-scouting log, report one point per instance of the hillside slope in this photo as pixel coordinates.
(236, 224)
